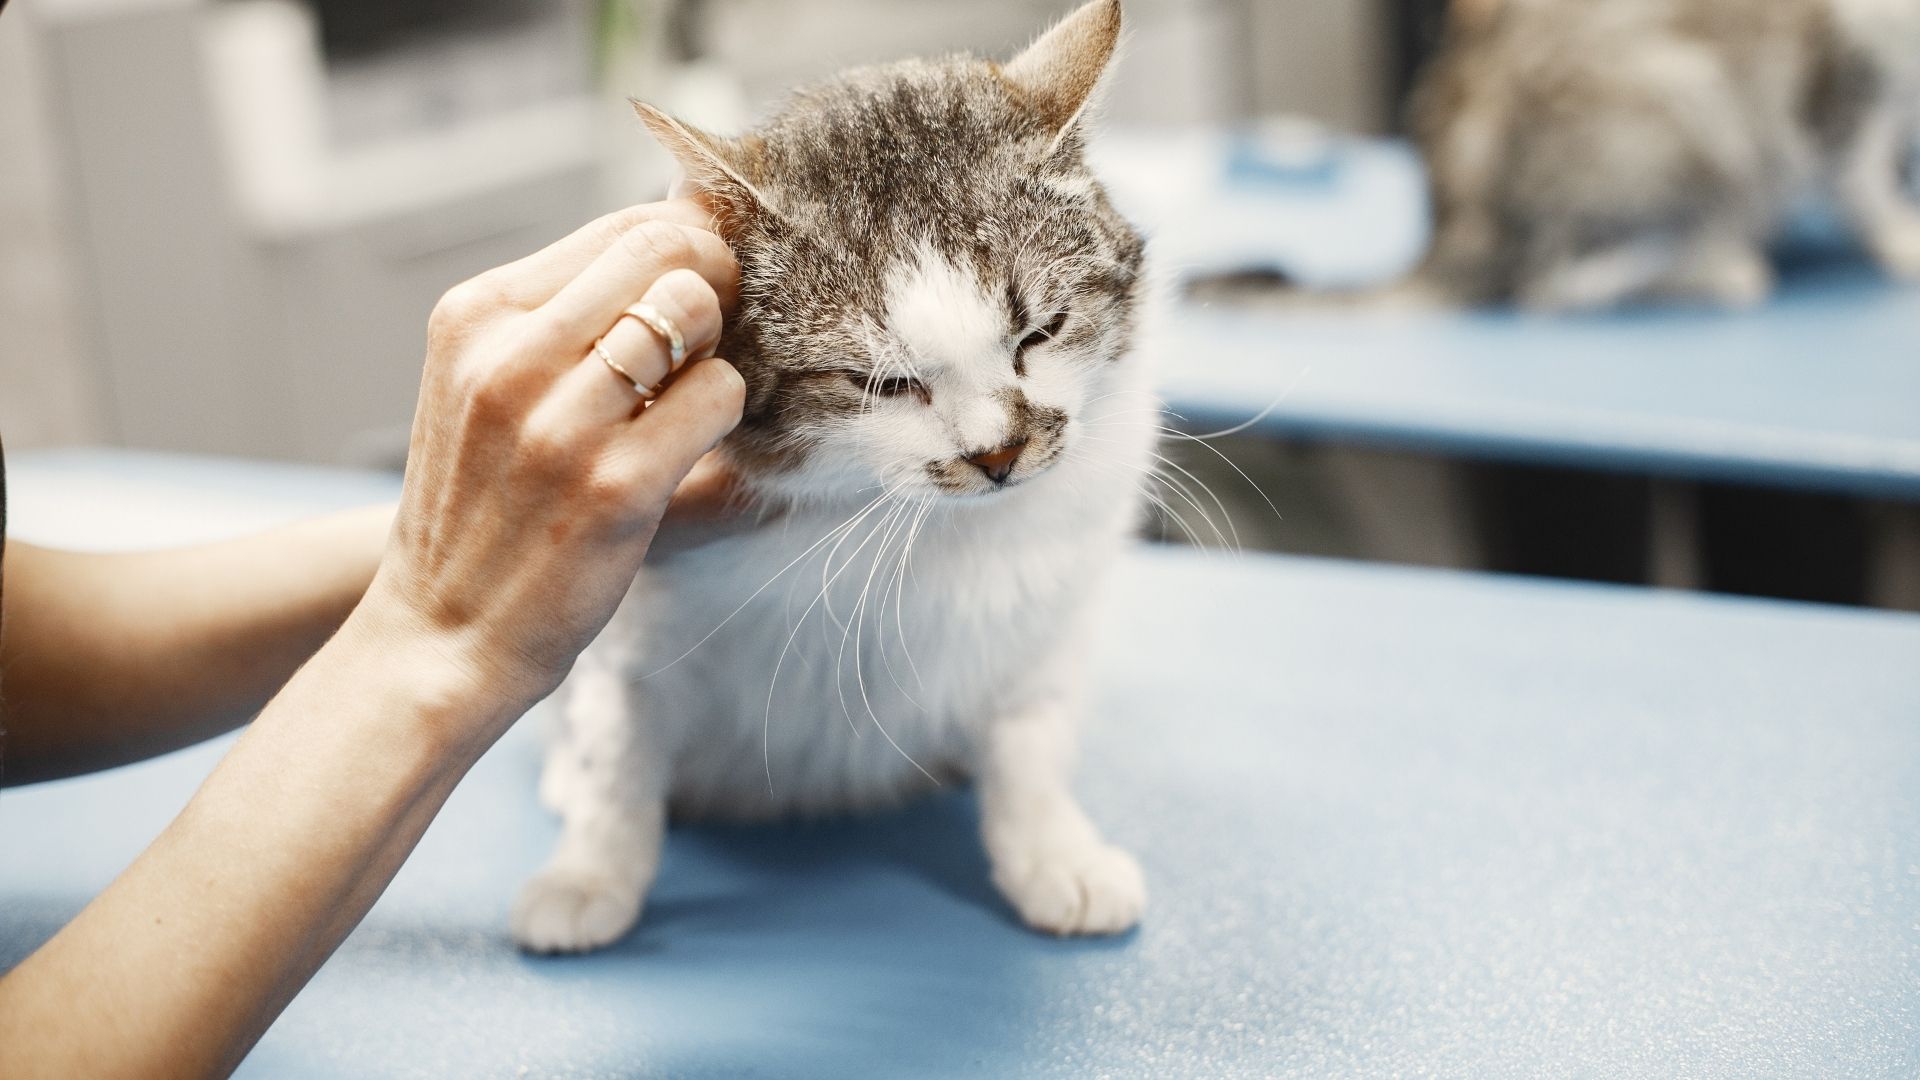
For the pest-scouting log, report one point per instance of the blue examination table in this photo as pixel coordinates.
(1396, 823)
(1817, 391)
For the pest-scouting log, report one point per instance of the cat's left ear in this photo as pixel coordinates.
(713, 165)
(1057, 75)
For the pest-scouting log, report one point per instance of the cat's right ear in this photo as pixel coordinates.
(1058, 74)
(710, 163)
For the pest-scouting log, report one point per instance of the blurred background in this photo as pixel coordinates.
(223, 222)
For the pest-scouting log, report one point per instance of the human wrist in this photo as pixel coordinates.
(452, 700)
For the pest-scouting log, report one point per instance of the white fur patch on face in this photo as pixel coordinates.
(947, 330)
(943, 315)
(956, 339)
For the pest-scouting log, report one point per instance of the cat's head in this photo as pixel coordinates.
(933, 285)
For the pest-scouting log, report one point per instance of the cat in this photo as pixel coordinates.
(937, 301)
(1586, 153)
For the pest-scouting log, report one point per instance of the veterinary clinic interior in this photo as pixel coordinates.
(1481, 638)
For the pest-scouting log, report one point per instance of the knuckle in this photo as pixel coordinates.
(657, 245)
(465, 305)
(609, 228)
(680, 212)
(543, 330)
(688, 297)
(544, 448)
(490, 397)
(626, 220)
(605, 489)
(691, 293)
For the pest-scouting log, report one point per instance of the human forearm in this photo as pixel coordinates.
(111, 658)
(180, 965)
(535, 482)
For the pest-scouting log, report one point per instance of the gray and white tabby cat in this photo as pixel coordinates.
(1589, 152)
(936, 307)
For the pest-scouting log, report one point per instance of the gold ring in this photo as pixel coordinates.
(650, 317)
(647, 393)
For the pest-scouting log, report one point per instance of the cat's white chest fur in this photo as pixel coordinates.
(855, 677)
(864, 670)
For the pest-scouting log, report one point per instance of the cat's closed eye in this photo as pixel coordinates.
(1044, 334)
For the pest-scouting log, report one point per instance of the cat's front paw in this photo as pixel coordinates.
(1084, 888)
(566, 910)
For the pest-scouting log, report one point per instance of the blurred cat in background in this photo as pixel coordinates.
(937, 302)
(1585, 153)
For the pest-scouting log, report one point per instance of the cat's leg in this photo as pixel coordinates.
(1049, 860)
(612, 794)
(1869, 185)
(1721, 267)
(560, 768)
(1712, 265)
(1596, 279)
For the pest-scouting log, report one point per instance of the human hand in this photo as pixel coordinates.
(711, 504)
(535, 478)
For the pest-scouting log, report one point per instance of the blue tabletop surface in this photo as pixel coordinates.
(1818, 390)
(1395, 822)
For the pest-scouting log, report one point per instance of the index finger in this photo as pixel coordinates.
(531, 281)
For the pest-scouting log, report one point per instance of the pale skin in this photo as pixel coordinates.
(383, 650)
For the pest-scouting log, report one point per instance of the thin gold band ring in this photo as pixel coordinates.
(663, 328)
(647, 393)
(669, 334)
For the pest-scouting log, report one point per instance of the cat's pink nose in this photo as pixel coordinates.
(998, 464)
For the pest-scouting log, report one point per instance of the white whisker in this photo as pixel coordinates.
(845, 525)
(899, 604)
(766, 726)
(1224, 512)
(855, 628)
(1231, 464)
(1257, 417)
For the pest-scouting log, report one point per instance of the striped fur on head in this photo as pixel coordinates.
(929, 271)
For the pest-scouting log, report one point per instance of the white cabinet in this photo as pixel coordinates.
(250, 281)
